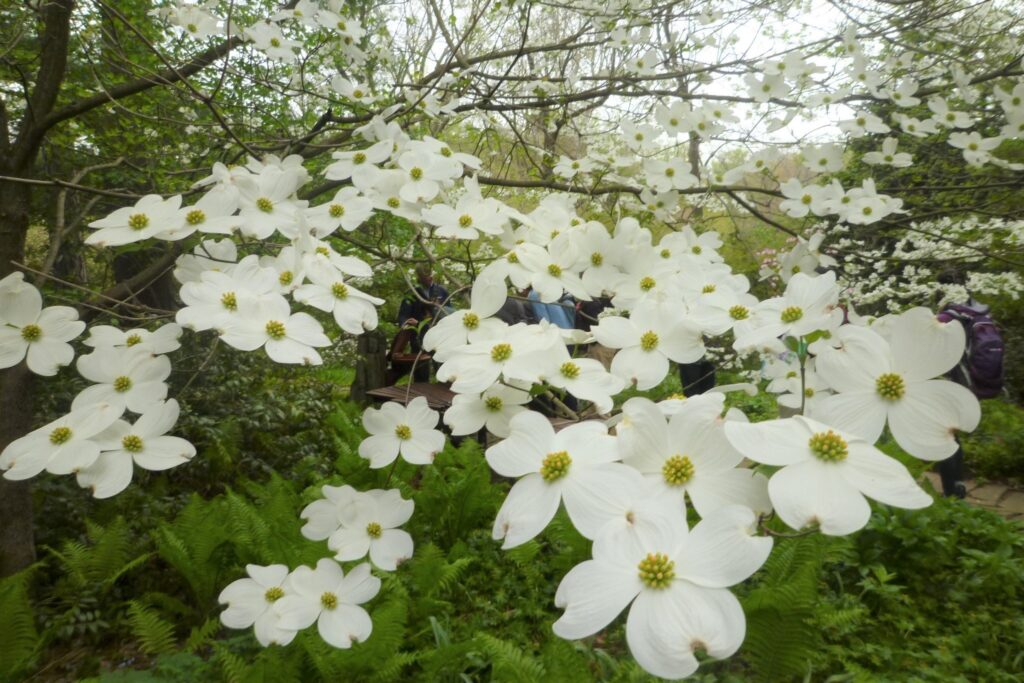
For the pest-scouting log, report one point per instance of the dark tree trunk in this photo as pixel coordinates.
(17, 548)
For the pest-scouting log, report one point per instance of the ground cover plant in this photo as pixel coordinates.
(217, 217)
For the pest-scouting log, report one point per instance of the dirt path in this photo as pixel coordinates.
(1000, 498)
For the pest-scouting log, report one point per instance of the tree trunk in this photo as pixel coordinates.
(17, 547)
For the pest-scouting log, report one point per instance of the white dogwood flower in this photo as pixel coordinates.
(493, 409)
(368, 525)
(401, 430)
(677, 583)
(251, 603)
(163, 339)
(689, 454)
(576, 465)
(61, 447)
(647, 340)
(127, 378)
(35, 334)
(331, 598)
(825, 473)
(144, 443)
(893, 381)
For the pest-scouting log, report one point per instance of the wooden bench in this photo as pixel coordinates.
(439, 396)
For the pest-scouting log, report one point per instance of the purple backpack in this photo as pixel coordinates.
(981, 368)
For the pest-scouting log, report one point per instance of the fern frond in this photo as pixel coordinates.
(234, 667)
(155, 635)
(18, 636)
(509, 662)
(200, 636)
(391, 670)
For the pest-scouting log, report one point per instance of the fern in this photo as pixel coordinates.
(200, 636)
(155, 635)
(19, 639)
(234, 667)
(509, 662)
(781, 641)
(391, 670)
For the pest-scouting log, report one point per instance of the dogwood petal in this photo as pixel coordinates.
(923, 347)
(393, 546)
(528, 508)
(861, 413)
(344, 625)
(774, 442)
(721, 550)
(736, 486)
(594, 495)
(592, 594)
(924, 419)
(349, 544)
(882, 478)
(814, 491)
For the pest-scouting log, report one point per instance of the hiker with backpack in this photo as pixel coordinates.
(980, 369)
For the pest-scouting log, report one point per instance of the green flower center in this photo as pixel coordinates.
(31, 332)
(374, 530)
(493, 403)
(808, 392)
(273, 594)
(649, 340)
(828, 447)
(696, 249)
(806, 199)
(669, 172)
(465, 220)
(512, 257)
(501, 352)
(791, 314)
(285, 278)
(569, 370)
(470, 321)
(191, 28)
(275, 329)
(264, 205)
(708, 289)
(656, 570)
(555, 465)
(647, 283)
(195, 217)
(336, 210)
(738, 312)
(131, 443)
(60, 435)
(339, 290)
(274, 42)
(665, 253)
(358, 158)
(229, 301)
(133, 340)
(555, 270)
(394, 202)
(597, 258)
(403, 432)
(138, 221)
(323, 251)
(416, 173)
(677, 470)
(329, 601)
(890, 386)
(122, 384)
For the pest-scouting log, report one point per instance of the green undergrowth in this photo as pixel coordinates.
(126, 589)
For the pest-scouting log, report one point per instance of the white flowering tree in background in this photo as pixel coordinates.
(590, 148)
